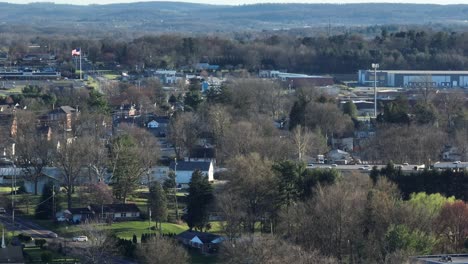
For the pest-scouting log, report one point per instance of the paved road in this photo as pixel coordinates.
(358, 167)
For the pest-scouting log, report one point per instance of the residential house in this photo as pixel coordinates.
(167, 76)
(158, 126)
(116, 212)
(339, 157)
(8, 129)
(206, 242)
(185, 169)
(78, 215)
(62, 117)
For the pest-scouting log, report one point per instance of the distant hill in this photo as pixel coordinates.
(188, 17)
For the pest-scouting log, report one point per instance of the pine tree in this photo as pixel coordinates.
(198, 200)
(158, 203)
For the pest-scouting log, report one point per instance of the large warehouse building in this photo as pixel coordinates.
(415, 79)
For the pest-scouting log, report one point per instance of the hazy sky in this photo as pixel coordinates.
(239, 2)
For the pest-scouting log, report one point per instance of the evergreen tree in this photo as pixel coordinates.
(198, 200)
(350, 109)
(170, 186)
(158, 203)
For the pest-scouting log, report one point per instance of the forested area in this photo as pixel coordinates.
(343, 53)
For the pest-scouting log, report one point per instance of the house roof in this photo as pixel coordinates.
(204, 237)
(84, 210)
(65, 109)
(115, 208)
(11, 254)
(190, 165)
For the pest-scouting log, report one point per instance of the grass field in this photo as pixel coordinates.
(111, 76)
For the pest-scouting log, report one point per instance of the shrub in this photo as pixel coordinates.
(24, 237)
(40, 242)
(46, 257)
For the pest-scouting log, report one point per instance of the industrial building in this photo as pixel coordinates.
(414, 79)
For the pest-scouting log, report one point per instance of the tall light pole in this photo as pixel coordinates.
(175, 189)
(13, 193)
(375, 66)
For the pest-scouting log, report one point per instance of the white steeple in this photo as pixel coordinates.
(3, 238)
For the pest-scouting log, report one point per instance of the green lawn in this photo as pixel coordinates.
(5, 189)
(110, 76)
(121, 229)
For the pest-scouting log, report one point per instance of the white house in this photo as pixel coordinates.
(185, 169)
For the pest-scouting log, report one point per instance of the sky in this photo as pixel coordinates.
(241, 2)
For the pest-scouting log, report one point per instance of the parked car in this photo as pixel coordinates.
(52, 235)
(2, 210)
(80, 239)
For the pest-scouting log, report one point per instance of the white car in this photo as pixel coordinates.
(80, 239)
(2, 210)
(52, 235)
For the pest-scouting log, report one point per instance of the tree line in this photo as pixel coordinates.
(344, 53)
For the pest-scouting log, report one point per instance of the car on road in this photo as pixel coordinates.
(334, 165)
(2, 210)
(80, 239)
(457, 162)
(406, 164)
(52, 235)
(365, 168)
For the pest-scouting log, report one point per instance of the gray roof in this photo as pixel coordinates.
(11, 254)
(204, 237)
(423, 72)
(190, 165)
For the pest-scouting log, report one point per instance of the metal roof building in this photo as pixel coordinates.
(415, 79)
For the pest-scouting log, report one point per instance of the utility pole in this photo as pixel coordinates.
(53, 201)
(175, 190)
(375, 66)
(13, 193)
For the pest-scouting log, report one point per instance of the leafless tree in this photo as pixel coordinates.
(415, 144)
(33, 149)
(72, 157)
(269, 249)
(162, 250)
(252, 186)
(100, 247)
(183, 133)
(330, 221)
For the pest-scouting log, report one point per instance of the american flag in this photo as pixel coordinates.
(76, 52)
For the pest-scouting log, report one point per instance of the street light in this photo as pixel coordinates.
(175, 189)
(375, 66)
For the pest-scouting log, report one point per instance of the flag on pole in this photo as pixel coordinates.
(76, 52)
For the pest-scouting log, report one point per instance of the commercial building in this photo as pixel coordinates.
(415, 79)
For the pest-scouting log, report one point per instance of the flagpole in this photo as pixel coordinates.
(81, 72)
